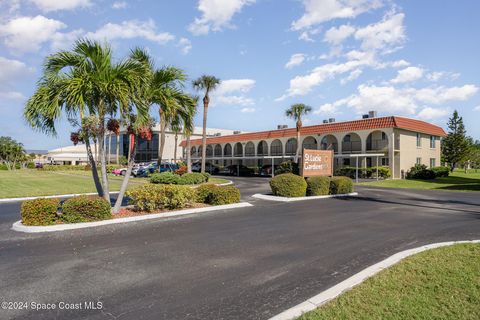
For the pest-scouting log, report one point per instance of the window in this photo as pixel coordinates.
(432, 162)
(432, 142)
(385, 162)
(419, 140)
(419, 160)
(346, 161)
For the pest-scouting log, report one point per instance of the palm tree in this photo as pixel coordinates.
(296, 112)
(206, 84)
(86, 83)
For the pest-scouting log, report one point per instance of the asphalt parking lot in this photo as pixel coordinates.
(247, 263)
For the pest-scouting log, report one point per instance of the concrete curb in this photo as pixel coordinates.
(335, 291)
(18, 226)
(230, 182)
(285, 199)
(54, 196)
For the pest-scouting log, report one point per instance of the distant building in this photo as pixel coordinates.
(146, 150)
(400, 142)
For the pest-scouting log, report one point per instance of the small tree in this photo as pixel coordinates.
(456, 146)
(296, 112)
(11, 152)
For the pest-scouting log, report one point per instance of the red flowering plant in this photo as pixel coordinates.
(113, 125)
(76, 137)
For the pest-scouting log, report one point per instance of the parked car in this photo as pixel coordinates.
(119, 171)
(209, 167)
(38, 165)
(266, 170)
(238, 169)
(168, 167)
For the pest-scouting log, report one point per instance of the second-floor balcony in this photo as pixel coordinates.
(377, 145)
(351, 146)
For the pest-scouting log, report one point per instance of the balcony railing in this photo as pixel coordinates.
(330, 146)
(351, 146)
(377, 145)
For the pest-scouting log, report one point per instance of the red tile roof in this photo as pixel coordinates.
(347, 126)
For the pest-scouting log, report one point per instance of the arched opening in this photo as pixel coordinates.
(193, 151)
(276, 148)
(238, 150)
(227, 150)
(351, 143)
(309, 143)
(262, 148)
(291, 146)
(329, 142)
(199, 151)
(218, 151)
(377, 141)
(209, 151)
(249, 149)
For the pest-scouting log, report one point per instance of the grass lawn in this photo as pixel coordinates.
(442, 283)
(217, 180)
(26, 183)
(457, 181)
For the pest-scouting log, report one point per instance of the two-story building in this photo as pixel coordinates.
(396, 142)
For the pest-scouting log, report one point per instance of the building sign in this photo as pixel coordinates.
(317, 163)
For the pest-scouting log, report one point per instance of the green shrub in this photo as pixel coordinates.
(318, 186)
(51, 167)
(164, 178)
(40, 212)
(341, 185)
(111, 167)
(441, 172)
(191, 178)
(383, 172)
(3, 167)
(420, 171)
(151, 197)
(288, 185)
(204, 191)
(224, 195)
(207, 176)
(30, 165)
(85, 209)
(287, 167)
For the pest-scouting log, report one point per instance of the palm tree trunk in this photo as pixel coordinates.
(118, 148)
(204, 133)
(175, 148)
(93, 164)
(109, 147)
(161, 142)
(189, 155)
(297, 152)
(131, 156)
(96, 149)
(103, 166)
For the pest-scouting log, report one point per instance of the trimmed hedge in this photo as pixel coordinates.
(383, 172)
(287, 167)
(420, 171)
(184, 179)
(39, 212)
(85, 209)
(151, 197)
(51, 167)
(441, 172)
(288, 185)
(318, 186)
(216, 195)
(341, 185)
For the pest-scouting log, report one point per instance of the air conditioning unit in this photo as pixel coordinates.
(282, 126)
(365, 116)
(325, 121)
(331, 120)
(372, 114)
(218, 134)
(237, 132)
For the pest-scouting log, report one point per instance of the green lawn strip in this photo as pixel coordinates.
(28, 183)
(457, 181)
(442, 283)
(217, 180)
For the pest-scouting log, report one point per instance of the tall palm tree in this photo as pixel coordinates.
(86, 81)
(206, 84)
(296, 112)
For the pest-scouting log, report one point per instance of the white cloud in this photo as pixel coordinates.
(27, 34)
(386, 35)
(319, 11)
(12, 70)
(477, 108)
(302, 85)
(352, 76)
(338, 35)
(185, 45)
(232, 92)
(131, 29)
(216, 15)
(295, 60)
(55, 5)
(439, 95)
(307, 34)
(408, 74)
(429, 113)
(400, 63)
(119, 5)
(235, 85)
(247, 110)
(388, 99)
(11, 95)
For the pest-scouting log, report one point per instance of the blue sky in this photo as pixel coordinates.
(342, 57)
